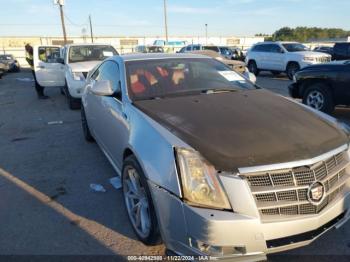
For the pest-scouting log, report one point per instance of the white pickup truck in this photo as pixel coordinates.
(67, 67)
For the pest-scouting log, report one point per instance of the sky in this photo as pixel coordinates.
(185, 17)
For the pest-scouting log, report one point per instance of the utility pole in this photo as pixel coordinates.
(61, 4)
(92, 36)
(206, 34)
(166, 22)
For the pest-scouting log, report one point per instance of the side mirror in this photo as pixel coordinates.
(103, 88)
(60, 60)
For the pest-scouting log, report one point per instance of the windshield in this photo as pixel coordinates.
(90, 53)
(161, 78)
(295, 47)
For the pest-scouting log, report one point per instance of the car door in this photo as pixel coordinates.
(48, 69)
(109, 121)
(276, 58)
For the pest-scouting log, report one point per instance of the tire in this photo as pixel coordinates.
(275, 73)
(73, 103)
(134, 181)
(253, 68)
(86, 130)
(319, 97)
(292, 68)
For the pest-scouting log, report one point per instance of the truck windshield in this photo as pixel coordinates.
(295, 47)
(90, 53)
(160, 78)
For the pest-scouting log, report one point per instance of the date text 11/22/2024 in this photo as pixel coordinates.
(169, 258)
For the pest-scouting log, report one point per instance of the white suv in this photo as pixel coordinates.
(279, 57)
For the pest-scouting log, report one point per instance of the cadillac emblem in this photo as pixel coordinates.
(316, 193)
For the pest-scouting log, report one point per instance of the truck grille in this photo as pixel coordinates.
(284, 192)
(323, 59)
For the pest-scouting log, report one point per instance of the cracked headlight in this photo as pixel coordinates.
(200, 184)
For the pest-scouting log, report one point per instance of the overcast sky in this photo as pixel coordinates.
(186, 17)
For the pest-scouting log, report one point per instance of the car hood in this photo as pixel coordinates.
(311, 53)
(245, 128)
(83, 66)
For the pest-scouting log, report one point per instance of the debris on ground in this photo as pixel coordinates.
(97, 188)
(116, 182)
(25, 79)
(55, 123)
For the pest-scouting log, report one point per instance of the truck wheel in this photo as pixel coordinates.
(292, 68)
(138, 202)
(319, 97)
(253, 68)
(86, 129)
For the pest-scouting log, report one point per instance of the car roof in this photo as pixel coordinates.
(151, 56)
(277, 42)
(88, 44)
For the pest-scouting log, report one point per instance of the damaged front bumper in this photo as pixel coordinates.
(233, 236)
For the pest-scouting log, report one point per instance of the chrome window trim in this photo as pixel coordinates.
(287, 165)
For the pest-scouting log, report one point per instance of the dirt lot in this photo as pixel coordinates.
(46, 205)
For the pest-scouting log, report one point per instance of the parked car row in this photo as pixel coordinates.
(197, 149)
(233, 53)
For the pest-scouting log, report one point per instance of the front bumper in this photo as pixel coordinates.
(244, 236)
(293, 90)
(75, 88)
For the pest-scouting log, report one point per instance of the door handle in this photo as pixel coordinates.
(41, 67)
(124, 115)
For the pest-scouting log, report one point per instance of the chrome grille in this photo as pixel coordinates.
(284, 192)
(323, 59)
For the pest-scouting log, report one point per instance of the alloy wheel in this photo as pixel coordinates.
(136, 201)
(315, 99)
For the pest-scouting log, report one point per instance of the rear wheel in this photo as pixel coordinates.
(319, 97)
(292, 68)
(138, 202)
(253, 68)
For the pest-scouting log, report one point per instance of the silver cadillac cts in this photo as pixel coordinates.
(211, 164)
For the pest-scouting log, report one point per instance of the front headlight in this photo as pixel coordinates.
(309, 58)
(78, 76)
(200, 184)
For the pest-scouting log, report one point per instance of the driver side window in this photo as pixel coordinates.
(49, 54)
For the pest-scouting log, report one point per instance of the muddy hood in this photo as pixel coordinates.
(245, 128)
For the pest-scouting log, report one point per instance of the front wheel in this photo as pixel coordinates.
(138, 202)
(253, 68)
(292, 68)
(319, 97)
